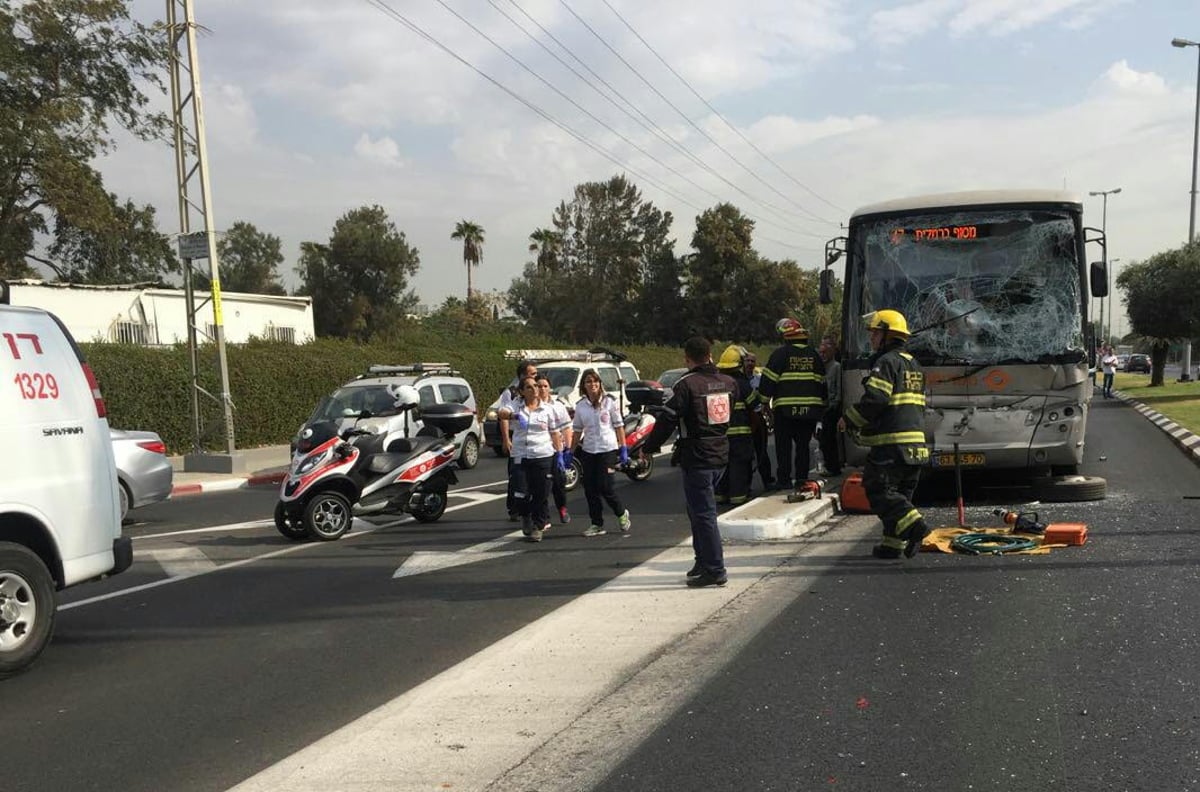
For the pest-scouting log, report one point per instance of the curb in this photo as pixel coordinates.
(1188, 442)
(219, 485)
(772, 517)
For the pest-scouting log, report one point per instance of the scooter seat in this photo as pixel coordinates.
(405, 446)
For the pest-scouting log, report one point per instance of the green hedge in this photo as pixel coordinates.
(275, 386)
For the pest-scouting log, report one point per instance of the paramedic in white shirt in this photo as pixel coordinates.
(598, 418)
(558, 480)
(535, 448)
(511, 401)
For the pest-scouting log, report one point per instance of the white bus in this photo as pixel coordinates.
(994, 285)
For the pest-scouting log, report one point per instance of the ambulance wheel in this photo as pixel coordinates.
(288, 523)
(27, 607)
(327, 516)
(1070, 489)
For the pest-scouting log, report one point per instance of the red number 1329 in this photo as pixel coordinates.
(37, 386)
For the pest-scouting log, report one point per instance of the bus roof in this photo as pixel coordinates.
(955, 200)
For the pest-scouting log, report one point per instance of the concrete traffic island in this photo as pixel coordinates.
(772, 517)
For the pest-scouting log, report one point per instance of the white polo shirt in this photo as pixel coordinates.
(598, 423)
(533, 441)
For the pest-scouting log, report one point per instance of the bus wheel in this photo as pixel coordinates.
(1070, 489)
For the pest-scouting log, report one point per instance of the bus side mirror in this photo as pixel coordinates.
(825, 293)
(1099, 279)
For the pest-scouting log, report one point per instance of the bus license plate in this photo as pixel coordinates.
(967, 459)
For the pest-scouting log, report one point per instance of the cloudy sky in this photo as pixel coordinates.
(797, 111)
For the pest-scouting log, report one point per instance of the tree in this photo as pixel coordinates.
(606, 249)
(723, 241)
(547, 245)
(249, 260)
(359, 281)
(70, 68)
(129, 250)
(1162, 300)
(471, 235)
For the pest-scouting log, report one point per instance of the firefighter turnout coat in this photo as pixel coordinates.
(890, 417)
(794, 381)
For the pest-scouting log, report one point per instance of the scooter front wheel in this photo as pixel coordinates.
(640, 469)
(572, 475)
(327, 516)
(288, 523)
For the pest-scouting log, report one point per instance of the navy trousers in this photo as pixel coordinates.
(699, 485)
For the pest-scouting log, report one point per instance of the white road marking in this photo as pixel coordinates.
(433, 560)
(179, 560)
(474, 722)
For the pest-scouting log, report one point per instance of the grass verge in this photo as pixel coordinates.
(1179, 401)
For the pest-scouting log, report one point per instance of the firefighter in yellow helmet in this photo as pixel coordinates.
(890, 420)
(794, 381)
(734, 486)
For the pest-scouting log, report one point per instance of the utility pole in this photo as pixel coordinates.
(1182, 43)
(191, 174)
(1104, 228)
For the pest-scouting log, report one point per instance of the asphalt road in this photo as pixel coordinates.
(1069, 671)
(1075, 670)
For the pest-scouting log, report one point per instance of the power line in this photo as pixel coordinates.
(645, 121)
(716, 112)
(688, 119)
(387, 9)
(644, 152)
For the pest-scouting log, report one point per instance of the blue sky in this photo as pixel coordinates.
(316, 107)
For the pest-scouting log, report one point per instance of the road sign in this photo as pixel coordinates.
(193, 246)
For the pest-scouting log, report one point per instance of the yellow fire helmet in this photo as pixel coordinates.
(889, 321)
(732, 358)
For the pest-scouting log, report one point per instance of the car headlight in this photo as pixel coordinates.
(310, 464)
(490, 415)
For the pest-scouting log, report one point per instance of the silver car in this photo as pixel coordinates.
(143, 470)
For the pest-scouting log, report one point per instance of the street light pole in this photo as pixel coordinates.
(1104, 227)
(1181, 43)
(1112, 265)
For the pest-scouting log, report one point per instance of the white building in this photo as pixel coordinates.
(151, 316)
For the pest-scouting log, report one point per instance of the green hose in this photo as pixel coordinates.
(993, 544)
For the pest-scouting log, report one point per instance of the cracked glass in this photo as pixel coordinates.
(977, 287)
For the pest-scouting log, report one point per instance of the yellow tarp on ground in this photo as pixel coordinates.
(941, 538)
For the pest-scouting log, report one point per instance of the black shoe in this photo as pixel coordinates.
(882, 551)
(695, 571)
(706, 578)
(916, 534)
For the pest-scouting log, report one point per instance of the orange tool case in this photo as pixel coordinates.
(854, 497)
(1065, 533)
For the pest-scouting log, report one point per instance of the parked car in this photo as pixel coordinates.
(60, 523)
(436, 383)
(1138, 363)
(1121, 361)
(565, 368)
(669, 377)
(144, 474)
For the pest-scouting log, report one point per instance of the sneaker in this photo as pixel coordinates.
(706, 578)
(882, 551)
(564, 516)
(696, 570)
(916, 535)
(535, 535)
(595, 530)
(625, 522)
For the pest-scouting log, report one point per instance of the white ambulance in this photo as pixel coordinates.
(60, 518)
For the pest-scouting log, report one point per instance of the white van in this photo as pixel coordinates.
(60, 518)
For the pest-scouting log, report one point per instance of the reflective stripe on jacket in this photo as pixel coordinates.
(890, 416)
(795, 377)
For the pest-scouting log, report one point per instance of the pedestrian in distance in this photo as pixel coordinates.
(558, 480)
(601, 430)
(827, 437)
(761, 424)
(734, 487)
(889, 420)
(536, 448)
(794, 381)
(511, 400)
(699, 406)
(1109, 362)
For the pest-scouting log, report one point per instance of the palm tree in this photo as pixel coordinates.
(545, 243)
(471, 235)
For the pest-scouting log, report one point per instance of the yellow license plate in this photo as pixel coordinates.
(964, 459)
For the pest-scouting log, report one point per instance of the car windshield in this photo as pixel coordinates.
(669, 377)
(562, 378)
(350, 401)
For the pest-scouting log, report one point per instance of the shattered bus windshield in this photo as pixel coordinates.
(987, 286)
